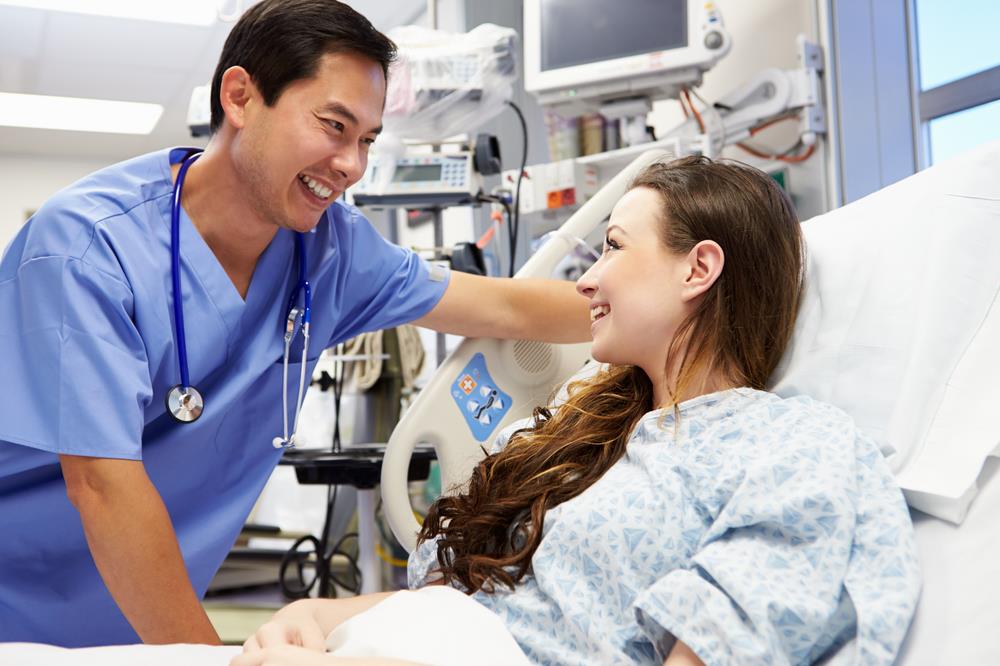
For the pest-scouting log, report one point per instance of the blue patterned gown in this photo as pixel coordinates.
(761, 530)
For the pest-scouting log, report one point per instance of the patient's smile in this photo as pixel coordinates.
(598, 311)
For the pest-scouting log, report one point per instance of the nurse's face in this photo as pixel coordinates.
(635, 288)
(297, 156)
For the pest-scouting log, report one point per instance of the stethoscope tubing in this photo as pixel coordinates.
(175, 270)
(292, 314)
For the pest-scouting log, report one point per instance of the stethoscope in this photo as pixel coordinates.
(184, 402)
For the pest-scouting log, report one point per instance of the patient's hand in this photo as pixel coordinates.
(294, 625)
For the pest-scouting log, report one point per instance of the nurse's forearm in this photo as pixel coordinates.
(550, 310)
(135, 549)
(526, 309)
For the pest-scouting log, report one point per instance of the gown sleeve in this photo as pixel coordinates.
(74, 361)
(768, 582)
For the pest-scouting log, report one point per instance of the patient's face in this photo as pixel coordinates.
(635, 287)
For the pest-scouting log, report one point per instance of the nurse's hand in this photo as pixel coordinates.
(294, 625)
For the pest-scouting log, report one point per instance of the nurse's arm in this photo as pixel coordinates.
(135, 549)
(526, 309)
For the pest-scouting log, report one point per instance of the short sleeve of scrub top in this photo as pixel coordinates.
(378, 285)
(79, 372)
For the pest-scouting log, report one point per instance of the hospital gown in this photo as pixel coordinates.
(756, 529)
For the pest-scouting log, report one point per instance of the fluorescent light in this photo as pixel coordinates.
(78, 114)
(191, 12)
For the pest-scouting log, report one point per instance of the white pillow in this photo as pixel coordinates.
(900, 325)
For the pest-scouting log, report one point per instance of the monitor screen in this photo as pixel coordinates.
(411, 173)
(578, 32)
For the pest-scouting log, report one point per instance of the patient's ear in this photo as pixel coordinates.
(703, 266)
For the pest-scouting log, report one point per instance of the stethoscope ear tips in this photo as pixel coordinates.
(282, 443)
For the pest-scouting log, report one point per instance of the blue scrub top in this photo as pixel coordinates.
(87, 353)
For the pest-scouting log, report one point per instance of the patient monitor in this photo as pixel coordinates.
(580, 55)
(616, 58)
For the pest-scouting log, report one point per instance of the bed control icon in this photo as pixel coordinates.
(482, 402)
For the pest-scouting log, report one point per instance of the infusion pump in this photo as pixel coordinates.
(435, 180)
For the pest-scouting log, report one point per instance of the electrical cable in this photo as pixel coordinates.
(773, 121)
(302, 587)
(338, 389)
(516, 226)
(718, 117)
(484, 240)
(780, 157)
(697, 116)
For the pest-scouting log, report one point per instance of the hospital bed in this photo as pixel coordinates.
(900, 327)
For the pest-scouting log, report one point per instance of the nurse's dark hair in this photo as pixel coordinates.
(281, 41)
(740, 327)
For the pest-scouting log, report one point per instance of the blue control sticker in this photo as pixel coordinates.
(479, 399)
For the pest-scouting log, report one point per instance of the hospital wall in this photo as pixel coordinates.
(26, 182)
(764, 33)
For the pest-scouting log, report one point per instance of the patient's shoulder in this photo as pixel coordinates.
(800, 415)
(761, 428)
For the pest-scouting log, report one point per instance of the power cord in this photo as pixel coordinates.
(513, 229)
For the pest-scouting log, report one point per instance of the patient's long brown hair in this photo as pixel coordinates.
(489, 532)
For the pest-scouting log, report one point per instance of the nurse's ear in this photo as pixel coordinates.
(235, 94)
(701, 268)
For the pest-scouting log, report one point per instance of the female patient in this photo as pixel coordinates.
(671, 510)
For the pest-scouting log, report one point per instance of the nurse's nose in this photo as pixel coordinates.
(351, 163)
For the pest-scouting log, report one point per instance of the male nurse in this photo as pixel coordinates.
(115, 516)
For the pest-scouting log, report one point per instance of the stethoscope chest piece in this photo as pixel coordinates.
(185, 404)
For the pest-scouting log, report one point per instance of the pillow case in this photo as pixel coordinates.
(899, 325)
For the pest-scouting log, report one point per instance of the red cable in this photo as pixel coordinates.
(694, 110)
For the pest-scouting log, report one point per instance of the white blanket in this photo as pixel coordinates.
(436, 625)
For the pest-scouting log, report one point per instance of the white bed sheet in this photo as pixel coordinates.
(958, 619)
(435, 625)
(34, 654)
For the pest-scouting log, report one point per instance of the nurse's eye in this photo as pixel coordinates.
(335, 124)
(368, 141)
(610, 244)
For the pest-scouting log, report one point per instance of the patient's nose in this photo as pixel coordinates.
(587, 284)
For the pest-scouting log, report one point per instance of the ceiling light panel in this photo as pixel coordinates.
(78, 114)
(188, 12)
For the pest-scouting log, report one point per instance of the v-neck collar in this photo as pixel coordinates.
(263, 291)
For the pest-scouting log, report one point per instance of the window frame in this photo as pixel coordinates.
(961, 94)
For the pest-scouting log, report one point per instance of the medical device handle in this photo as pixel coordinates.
(527, 371)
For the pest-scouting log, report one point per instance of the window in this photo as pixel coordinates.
(958, 56)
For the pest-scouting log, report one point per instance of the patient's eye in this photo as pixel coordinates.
(611, 244)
